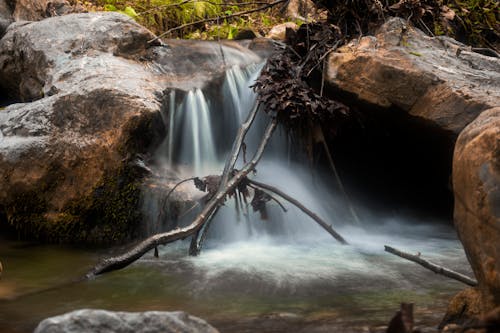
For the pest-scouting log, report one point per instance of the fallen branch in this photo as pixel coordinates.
(432, 266)
(296, 203)
(151, 242)
(241, 133)
(272, 197)
(197, 243)
(235, 150)
(215, 19)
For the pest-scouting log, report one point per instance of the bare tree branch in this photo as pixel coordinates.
(161, 213)
(235, 150)
(272, 198)
(296, 203)
(432, 266)
(267, 135)
(149, 243)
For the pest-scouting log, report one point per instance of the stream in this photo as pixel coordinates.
(260, 285)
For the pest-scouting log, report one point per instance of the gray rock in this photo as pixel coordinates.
(102, 321)
(427, 77)
(92, 88)
(41, 58)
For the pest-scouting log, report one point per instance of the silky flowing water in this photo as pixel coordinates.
(281, 274)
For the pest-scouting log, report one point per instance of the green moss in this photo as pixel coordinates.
(162, 15)
(110, 214)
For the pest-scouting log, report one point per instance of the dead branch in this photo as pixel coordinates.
(296, 203)
(337, 176)
(241, 134)
(432, 266)
(273, 198)
(237, 144)
(214, 19)
(121, 261)
(161, 213)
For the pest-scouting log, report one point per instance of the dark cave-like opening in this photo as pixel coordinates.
(6, 100)
(395, 164)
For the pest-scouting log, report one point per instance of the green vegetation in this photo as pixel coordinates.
(474, 22)
(109, 214)
(477, 22)
(162, 15)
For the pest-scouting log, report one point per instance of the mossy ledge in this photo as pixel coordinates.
(107, 214)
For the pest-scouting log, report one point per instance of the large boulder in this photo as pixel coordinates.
(66, 154)
(93, 89)
(102, 321)
(434, 78)
(476, 182)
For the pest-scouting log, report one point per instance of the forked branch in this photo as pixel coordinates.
(150, 243)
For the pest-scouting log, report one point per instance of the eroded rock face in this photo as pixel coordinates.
(427, 77)
(124, 322)
(476, 182)
(93, 88)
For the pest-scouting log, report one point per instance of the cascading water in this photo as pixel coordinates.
(202, 131)
(200, 126)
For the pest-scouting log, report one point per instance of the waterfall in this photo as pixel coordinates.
(202, 130)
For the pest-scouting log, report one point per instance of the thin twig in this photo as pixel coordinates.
(333, 48)
(213, 19)
(271, 196)
(165, 199)
(337, 177)
(432, 266)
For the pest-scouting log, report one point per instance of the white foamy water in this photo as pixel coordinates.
(287, 251)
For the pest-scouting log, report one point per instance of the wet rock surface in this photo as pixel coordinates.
(92, 87)
(476, 182)
(124, 322)
(437, 79)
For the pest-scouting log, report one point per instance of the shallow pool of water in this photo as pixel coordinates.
(265, 284)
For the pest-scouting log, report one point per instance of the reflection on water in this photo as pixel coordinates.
(236, 286)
